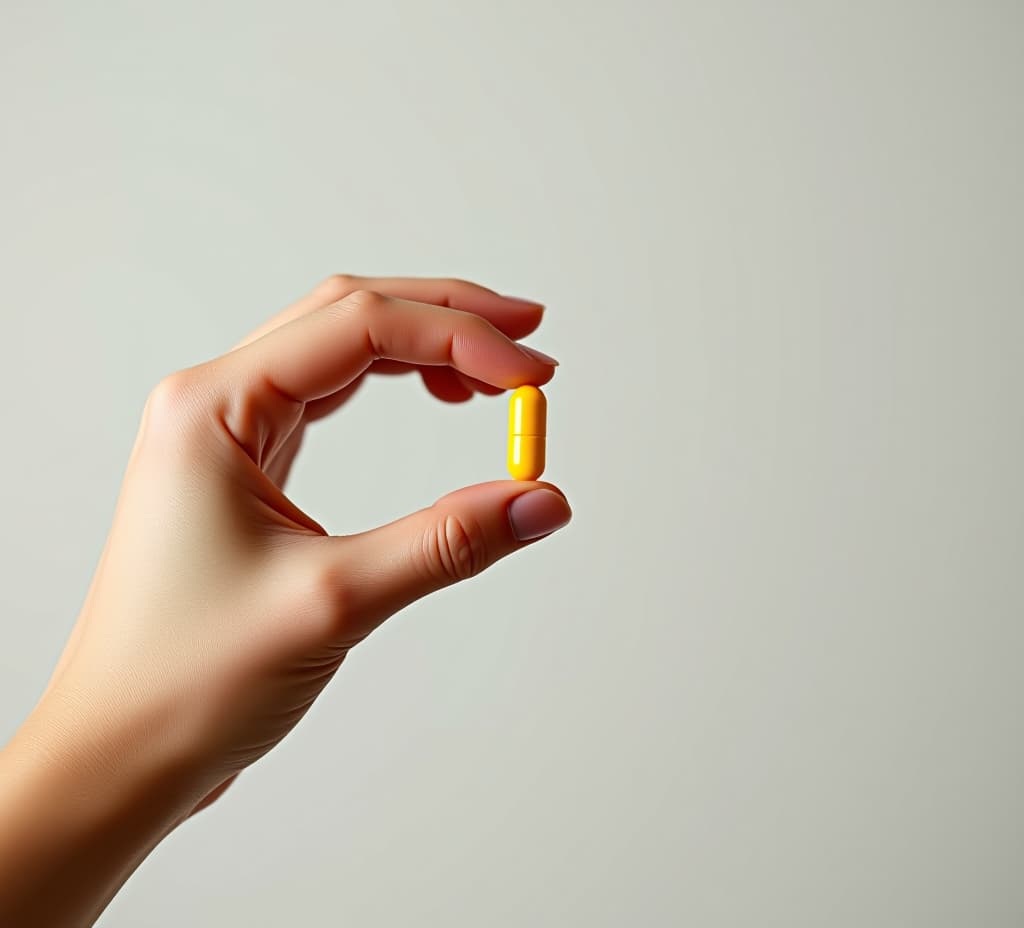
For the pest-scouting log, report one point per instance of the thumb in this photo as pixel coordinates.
(462, 534)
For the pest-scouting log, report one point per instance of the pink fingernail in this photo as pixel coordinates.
(537, 513)
(538, 355)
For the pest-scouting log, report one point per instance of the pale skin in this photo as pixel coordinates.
(220, 610)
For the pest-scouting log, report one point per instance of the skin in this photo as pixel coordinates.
(220, 610)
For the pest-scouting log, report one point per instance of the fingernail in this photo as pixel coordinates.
(533, 304)
(537, 513)
(538, 355)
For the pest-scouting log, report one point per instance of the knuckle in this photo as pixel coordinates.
(363, 302)
(171, 389)
(479, 327)
(172, 403)
(453, 549)
(338, 286)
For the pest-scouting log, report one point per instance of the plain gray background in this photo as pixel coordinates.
(771, 674)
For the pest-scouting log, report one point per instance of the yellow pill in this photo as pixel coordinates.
(527, 428)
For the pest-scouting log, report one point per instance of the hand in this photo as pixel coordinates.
(219, 609)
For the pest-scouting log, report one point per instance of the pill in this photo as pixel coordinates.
(527, 428)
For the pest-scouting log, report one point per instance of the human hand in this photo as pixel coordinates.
(219, 609)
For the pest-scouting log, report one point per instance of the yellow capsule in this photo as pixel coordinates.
(527, 428)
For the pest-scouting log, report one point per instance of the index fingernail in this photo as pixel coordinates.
(538, 355)
(522, 301)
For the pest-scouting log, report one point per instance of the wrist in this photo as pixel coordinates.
(85, 796)
(107, 759)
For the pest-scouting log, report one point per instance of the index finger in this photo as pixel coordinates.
(514, 316)
(319, 353)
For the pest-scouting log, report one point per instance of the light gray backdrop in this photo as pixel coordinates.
(771, 675)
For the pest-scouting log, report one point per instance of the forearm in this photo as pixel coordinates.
(80, 808)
